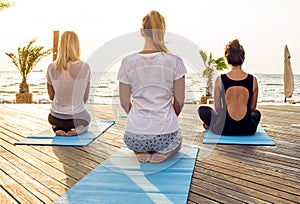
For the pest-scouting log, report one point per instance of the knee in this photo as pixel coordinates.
(256, 115)
(51, 119)
(203, 111)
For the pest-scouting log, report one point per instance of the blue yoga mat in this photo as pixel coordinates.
(123, 179)
(259, 138)
(96, 128)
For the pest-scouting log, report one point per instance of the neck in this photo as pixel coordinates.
(149, 46)
(236, 68)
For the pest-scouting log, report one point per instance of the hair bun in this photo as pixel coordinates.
(235, 46)
(234, 53)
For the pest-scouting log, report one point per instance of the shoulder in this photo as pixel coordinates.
(222, 77)
(51, 68)
(130, 57)
(84, 66)
(218, 82)
(173, 60)
(254, 80)
(173, 56)
(219, 79)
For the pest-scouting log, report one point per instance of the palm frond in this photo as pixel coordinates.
(221, 64)
(211, 65)
(28, 57)
(5, 4)
(203, 56)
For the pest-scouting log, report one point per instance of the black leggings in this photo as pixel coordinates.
(207, 114)
(66, 124)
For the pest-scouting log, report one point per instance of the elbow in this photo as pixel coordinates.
(181, 105)
(85, 99)
(178, 105)
(125, 106)
(218, 108)
(181, 102)
(253, 107)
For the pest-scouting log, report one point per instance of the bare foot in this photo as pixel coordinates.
(158, 158)
(71, 133)
(143, 156)
(80, 129)
(60, 133)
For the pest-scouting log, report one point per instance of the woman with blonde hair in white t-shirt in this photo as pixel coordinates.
(68, 84)
(152, 92)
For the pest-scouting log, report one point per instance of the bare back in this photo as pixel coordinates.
(237, 97)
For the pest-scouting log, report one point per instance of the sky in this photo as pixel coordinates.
(263, 27)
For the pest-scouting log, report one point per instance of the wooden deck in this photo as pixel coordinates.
(223, 173)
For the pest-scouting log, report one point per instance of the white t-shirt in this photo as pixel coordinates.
(69, 87)
(151, 79)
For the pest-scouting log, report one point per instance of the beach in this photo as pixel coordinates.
(104, 87)
(222, 174)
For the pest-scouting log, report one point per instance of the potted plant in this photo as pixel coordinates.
(211, 65)
(26, 59)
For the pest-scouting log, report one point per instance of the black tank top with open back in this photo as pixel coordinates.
(226, 124)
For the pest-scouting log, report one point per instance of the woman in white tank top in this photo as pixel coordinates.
(152, 86)
(68, 84)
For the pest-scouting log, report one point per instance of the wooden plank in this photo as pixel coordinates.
(5, 197)
(252, 182)
(223, 174)
(20, 194)
(28, 182)
(256, 171)
(261, 161)
(196, 199)
(45, 159)
(20, 155)
(234, 193)
(240, 185)
(212, 195)
(226, 187)
(41, 175)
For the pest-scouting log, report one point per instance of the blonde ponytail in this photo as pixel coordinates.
(69, 50)
(154, 26)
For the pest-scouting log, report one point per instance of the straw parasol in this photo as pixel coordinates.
(288, 75)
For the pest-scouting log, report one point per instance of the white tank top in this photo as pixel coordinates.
(69, 87)
(151, 78)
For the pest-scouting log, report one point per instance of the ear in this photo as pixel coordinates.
(142, 32)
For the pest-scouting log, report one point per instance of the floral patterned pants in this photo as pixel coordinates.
(163, 143)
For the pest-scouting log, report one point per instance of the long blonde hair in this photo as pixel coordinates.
(69, 50)
(154, 27)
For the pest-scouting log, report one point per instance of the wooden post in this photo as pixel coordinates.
(55, 44)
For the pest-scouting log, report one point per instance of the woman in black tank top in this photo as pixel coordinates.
(235, 98)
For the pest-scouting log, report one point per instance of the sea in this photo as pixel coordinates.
(104, 87)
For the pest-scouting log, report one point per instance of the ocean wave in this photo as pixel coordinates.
(272, 84)
(104, 86)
